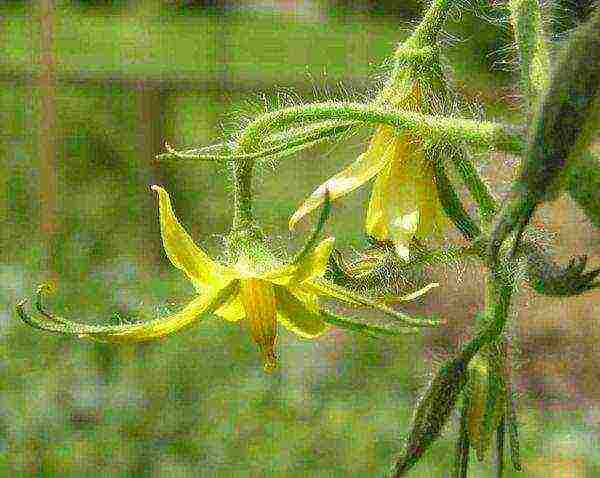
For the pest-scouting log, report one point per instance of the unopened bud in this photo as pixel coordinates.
(486, 399)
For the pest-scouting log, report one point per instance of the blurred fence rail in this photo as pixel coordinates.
(174, 84)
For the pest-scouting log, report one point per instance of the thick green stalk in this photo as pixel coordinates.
(484, 134)
(478, 189)
(242, 194)
(245, 236)
(532, 43)
(419, 55)
(428, 30)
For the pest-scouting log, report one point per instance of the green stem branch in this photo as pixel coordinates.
(241, 172)
(527, 20)
(484, 134)
(429, 28)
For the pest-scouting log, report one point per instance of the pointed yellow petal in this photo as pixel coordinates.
(232, 311)
(312, 266)
(401, 204)
(154, 329)
(402, 230)
(296, 315)
(321, 287)
(375, 224)
(433, 220)
(359, 172)
(260, 306)
(309, 299)
(414, 295)
(179, 246)
(412, 207)
(324, 288)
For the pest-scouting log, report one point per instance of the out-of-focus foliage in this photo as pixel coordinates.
(198, 403)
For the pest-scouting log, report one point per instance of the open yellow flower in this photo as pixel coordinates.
(404, 202)
(263, 292)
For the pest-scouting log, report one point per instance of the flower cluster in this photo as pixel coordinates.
(412, 200)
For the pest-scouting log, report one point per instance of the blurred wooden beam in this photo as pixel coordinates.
(150, 141)
(206, 83)
(151, 128)
(47, 134)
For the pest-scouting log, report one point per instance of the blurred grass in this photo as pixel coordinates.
(198, 403)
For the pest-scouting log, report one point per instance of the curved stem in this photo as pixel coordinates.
(241, 172)
(430, 26)
(478, 189)
(289, 143)
(476, 133)
(452, 204)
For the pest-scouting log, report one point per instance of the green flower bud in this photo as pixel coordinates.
(486, 400)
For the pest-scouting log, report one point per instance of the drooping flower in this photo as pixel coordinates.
(404, 202)
(265, 292)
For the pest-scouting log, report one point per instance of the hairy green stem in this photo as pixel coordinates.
(478, 189)
(463, 445)
(430, 26)
(241, 172)
(452, 204)
(424, 35)
(483, 134)
(534, 59)
(275, 146)
(544, 275)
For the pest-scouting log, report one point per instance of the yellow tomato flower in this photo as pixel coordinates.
(404, 202)
(265, 293)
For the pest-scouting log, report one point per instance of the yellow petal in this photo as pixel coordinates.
(375, 224)
(321, 287)
(297, 316)
(312, 266)
(180, 248)
(418, 293)
(324, 288)
(405, 94)
(260, 306)
(359, 172)
(309, 299)
(401, 204)
(402, 230)
(433, 220)
(154, 329)
(232, 311)
(412, 207)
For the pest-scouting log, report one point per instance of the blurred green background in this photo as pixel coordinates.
(132, 74)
